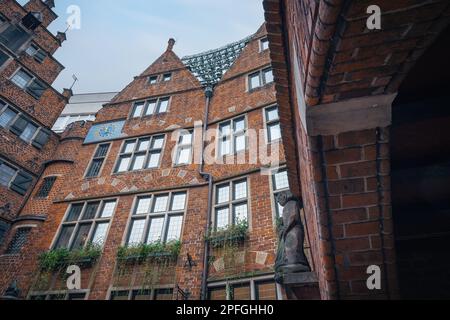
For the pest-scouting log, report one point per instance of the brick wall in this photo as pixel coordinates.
(43, 112)
(186, 106)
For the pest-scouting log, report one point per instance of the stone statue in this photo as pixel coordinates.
(290, 256)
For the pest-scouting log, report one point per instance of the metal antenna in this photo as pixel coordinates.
(75, 79)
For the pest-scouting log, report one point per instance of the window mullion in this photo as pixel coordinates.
(146, 229)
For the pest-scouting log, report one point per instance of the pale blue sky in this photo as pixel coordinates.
(120, 38)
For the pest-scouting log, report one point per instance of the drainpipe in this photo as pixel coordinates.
(209, 91)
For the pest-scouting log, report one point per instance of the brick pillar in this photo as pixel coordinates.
(354, 194)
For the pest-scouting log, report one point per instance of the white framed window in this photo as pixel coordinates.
(157, 218)
(260, 78)
(86, 223)
(98, 160)
(263, 44)
(14, 179)
(37, 53)
(150, 107)
(166, 77)
(139, 154)
(153, 79)
(273, 127)
(22, 126)
(29, 83)
(231, 203)
(232, 136)
(280, 183)
(183, 154)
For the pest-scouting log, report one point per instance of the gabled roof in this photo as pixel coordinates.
(210, 66)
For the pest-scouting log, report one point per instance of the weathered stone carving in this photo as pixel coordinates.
(290, 256)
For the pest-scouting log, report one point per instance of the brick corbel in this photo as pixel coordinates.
(350, 115)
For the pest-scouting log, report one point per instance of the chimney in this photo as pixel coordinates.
(171, 44)
(61, 36)
(68, 93)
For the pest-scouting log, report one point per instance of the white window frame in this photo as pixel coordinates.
(232, 136)
(231, 203)
(97, 158)
(262, 78)
(33, 78)
(268, 123)
(145, 107)
(94, 222)
(149, 215)
(180, 147)
(23, 115)
(148, 152)
(261, 44)
(274, 192)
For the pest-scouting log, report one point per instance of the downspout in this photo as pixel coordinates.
(209, 91)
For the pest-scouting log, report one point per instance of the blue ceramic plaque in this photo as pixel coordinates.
(105, 131)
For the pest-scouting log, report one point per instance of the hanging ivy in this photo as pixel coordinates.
(155, 250)
(234, 234)
(57, 259)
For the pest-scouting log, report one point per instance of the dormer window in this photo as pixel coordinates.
(263, 44)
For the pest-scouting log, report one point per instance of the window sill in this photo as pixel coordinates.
(116, 174)
(264, 87)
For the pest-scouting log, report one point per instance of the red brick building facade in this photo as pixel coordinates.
(366, 130)
(29, 106)
(152, 202)
(137, 199)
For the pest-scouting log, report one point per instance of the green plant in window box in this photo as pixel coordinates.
(57, 259)
(154, 250)
(234, 234)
